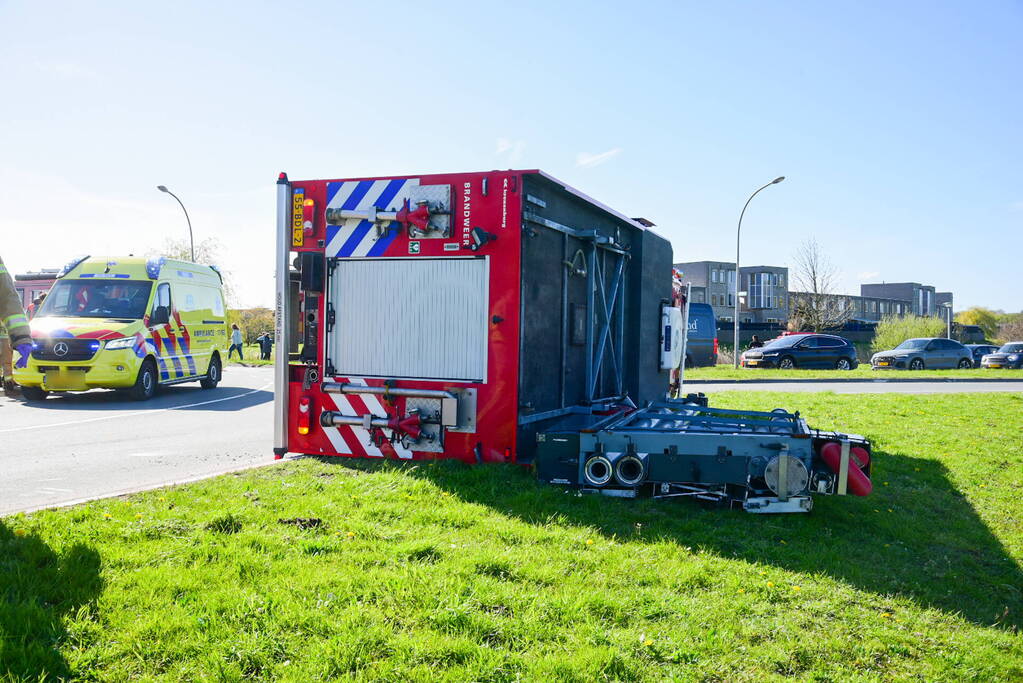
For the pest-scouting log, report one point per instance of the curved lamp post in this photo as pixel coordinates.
(191, 241)
(735, 349)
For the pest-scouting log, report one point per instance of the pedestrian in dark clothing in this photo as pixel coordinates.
(266, 343)
(755, 343)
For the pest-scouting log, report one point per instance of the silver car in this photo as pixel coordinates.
(917, 354)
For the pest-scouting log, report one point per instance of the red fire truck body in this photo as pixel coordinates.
(505, 317)
(412, 339)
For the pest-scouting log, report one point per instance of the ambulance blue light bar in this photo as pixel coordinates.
(154, 266)
(71, 265)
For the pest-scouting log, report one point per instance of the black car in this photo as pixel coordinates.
(803, 351)
(702, 340)
(1009, 356)
(979, 351)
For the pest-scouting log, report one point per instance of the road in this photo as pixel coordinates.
(81, 446)
(879, 387)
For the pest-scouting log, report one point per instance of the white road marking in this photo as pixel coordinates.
(49, 489)
(135, 413)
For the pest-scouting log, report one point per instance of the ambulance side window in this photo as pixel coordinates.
(161, 305)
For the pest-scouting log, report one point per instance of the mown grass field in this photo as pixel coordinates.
(251, 353)
(325, 570)
(861, 372)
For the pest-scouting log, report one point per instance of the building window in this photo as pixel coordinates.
(731, 300)
(731, 277)
(761, 291)
(714, 275)
(713, 299)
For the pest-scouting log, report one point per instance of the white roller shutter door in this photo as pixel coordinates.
(410, 318)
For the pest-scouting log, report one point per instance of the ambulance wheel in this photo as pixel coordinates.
(145, 383)
(33, 394)
(212, 378)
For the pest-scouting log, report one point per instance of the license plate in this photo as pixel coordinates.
(64, 381)
(752, 362)
(993, 365)
(883, 362)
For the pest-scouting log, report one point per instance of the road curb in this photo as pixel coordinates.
(857, 380)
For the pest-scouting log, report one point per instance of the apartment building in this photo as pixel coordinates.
(921, 297)
(713, 282)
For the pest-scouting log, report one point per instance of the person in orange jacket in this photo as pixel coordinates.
(14, 331)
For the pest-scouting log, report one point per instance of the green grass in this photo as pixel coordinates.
(321, 570)
(862, 371)
(251, 353)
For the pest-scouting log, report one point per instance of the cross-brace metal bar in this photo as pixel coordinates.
(609, 311)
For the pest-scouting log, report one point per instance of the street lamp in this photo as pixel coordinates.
(191, 241)
(948, 316)
(738, 232)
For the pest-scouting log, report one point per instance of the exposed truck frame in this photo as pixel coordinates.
(504, 316)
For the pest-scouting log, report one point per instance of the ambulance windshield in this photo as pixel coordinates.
(97, 299)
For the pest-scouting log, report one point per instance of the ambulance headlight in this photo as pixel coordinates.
(122, 343)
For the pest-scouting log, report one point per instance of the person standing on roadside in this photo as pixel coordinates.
(236, 342)
(14, 331)
(266, 343)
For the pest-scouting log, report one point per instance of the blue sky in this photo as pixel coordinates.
(898, 125)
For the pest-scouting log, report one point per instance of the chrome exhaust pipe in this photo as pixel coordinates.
(598, 471)
(630, 469)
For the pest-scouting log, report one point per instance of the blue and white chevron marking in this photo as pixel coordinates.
(358, 238)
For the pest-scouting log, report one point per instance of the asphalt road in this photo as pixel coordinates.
(879, 387)
(80, 446)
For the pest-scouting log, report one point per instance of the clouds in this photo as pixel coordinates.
(587, 160)
(66, 70)
(510, 148)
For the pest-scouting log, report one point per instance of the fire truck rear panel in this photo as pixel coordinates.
(460, 312)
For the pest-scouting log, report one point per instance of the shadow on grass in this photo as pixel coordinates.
(38, 588)
(918, 537)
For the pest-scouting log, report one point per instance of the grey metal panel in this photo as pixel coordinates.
(411, 318)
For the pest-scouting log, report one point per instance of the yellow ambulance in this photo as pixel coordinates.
(130, 324)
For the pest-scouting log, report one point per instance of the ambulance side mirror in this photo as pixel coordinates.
(161, 316)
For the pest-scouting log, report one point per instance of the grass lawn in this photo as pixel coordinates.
(319, 570)
(251, 353)
(862, 371)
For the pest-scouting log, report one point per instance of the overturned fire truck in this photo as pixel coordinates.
(505, 317)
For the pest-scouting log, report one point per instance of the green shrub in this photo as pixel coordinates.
(892, 331)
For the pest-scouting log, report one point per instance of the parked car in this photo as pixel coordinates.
(702, 341)
(918, 354)
(803, 351)
(979, 351)
(1009, 356)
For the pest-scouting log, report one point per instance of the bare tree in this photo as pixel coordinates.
(207, 252)
(815, 305)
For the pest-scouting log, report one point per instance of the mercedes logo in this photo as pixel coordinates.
(60, 349)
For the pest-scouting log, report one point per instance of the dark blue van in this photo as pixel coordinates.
(702, 344)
